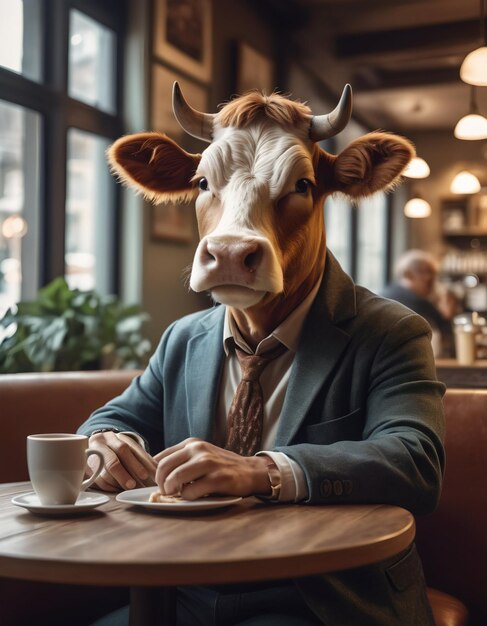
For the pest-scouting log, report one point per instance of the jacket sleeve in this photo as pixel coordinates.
(400, 459)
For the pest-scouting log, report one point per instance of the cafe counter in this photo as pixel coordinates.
(454, 375)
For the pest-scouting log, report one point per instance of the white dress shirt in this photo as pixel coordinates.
(274, 381)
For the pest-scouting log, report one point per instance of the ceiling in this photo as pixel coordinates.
(402, 57)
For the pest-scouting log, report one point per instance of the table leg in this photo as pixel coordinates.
(152, 606)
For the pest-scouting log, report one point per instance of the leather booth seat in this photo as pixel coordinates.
(452, 541)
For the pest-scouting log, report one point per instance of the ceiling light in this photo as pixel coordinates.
(464, 183)
(417, 207)
(474, 66)
(417, 168)
(472, 126)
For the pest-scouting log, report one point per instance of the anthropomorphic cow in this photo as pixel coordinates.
(349, 406)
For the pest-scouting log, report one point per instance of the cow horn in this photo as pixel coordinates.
(325, 126)
(196, 124)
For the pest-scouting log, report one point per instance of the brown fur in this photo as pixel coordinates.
(242, 111)
(155, 165)
(372, 163)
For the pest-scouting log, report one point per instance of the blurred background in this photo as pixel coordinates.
(77, 74)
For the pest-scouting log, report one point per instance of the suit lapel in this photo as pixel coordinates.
(321, 345)
(203, 370)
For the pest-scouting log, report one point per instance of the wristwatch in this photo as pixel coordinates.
(104, 430)
(275, 482)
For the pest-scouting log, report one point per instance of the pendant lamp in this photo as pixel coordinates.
(417, 208)
(472, 126)
(465, 183)
(474, 66)
(417, 168)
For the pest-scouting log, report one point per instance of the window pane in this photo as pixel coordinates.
(91, 62)
(338, 224)
(372, 241)
(89, 214)
(20, 34)
(19, 209)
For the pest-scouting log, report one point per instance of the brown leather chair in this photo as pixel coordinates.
(452, 541)
(54, 402)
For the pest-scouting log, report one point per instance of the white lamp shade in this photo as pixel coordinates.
(474, 67)
(417, 168)
(471, 127)
(464, 183)
(417, 207)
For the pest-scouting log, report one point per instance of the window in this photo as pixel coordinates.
(89, 213)
(91, 62)
(19, 211)
(59, 109)
(338, 222)
(358, 236)
(20, 37)
(372, 242)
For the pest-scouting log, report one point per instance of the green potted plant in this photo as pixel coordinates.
(68, 329)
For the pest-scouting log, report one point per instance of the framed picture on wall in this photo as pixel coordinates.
(162, 116)
(254, 70)
(173, 222)
(183, 35)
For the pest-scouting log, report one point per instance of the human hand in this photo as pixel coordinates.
(195, 468)
(123, 468)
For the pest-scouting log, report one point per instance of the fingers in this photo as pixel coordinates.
(196, 468)
(173, 469)
(121, 468)
(168, 451)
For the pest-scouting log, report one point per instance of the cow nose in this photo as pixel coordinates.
(242, 255)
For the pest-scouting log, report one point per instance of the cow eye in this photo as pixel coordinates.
(302, 185)
(203, 184)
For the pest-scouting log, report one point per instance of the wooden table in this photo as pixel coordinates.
(252, 541)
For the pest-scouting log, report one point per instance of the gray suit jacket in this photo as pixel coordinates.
(362, 417)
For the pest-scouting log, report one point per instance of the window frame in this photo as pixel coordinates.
(49, 97)
(351, 236)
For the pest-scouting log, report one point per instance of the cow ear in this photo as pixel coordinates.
(372, 163)
(155, 165)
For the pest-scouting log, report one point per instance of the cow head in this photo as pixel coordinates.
(259, 188)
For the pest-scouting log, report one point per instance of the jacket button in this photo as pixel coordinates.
(347, 487)
(326, 488)
(338, 487)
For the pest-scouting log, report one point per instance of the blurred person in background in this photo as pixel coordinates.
(415, 286)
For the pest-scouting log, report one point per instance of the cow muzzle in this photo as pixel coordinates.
(238, 271)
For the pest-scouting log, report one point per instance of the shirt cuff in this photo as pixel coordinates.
(293, 480)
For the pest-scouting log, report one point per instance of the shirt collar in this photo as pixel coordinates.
(287, 333)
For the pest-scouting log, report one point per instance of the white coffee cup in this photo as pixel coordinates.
(57, 464)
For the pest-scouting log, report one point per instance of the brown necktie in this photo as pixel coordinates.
(246, 413)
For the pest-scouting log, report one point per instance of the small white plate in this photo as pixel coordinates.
(86, 502)
(140, 497)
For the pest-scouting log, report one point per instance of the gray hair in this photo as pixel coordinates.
(414, 261)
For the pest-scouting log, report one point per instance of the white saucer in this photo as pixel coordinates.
(140, 497)
(86, 502)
